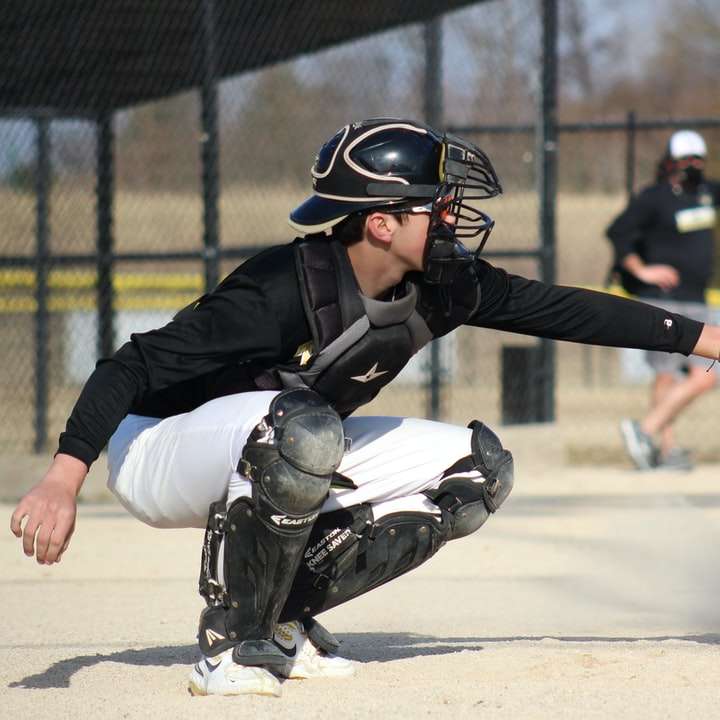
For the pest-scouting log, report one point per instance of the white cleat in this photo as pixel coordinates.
(305, 659)
(221, 675)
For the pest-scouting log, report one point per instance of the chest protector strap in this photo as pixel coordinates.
(324, 273)
(358, 344)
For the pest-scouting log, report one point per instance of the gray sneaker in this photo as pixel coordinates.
(676, 459)
(639, 445)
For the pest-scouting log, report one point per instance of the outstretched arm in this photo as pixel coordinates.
(520, 305)
(708, 344)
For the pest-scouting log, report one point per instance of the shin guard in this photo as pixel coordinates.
(349, 553)
(290, 458)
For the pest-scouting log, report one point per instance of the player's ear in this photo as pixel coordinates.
(380, 226)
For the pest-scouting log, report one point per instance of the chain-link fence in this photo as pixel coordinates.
(114, 210)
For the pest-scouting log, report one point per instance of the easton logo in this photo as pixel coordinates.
(285, 521)
(668, 324)
(211, 636)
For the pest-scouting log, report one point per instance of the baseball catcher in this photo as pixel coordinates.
(238, 415)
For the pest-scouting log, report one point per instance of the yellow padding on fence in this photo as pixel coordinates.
(137, 291)
(712, 296)
(84, 280)
(169, 301)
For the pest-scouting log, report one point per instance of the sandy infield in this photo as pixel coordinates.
(591, 594)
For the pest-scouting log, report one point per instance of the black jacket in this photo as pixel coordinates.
(669, 227)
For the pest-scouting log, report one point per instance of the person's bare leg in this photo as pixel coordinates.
(663, 384)
(677, 398)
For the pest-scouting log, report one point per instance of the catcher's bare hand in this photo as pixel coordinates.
(49, 511)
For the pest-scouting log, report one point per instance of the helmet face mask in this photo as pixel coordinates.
(452, 221)
(401, 166)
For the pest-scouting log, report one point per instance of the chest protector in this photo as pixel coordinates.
(358, 345)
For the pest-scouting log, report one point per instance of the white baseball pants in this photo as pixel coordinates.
(167, 472)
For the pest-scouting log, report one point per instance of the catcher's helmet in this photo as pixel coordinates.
(399, 164)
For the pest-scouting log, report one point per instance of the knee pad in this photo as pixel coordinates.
(291, 456)
(467, 502)
(495, 463)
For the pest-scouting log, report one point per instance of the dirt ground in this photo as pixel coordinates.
(592, 594)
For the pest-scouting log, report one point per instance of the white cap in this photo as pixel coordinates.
(685, 143)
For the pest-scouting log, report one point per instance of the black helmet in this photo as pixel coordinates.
(398, 164)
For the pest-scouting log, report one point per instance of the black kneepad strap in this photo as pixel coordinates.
(463, 503)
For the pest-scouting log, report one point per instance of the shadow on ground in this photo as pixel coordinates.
(363, 647)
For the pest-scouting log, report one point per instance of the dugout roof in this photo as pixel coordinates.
(77, 57)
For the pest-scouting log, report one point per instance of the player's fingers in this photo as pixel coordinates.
(42, 541)
(53, 549)
(16, 520)
(28, 536)
(67, 542)
(58, 539)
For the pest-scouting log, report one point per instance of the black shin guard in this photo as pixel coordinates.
(349, 553)
(290, 458)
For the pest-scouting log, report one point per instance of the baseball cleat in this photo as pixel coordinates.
(221, 675)
(305, 659)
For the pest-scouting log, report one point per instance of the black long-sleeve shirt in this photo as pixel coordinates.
(256, 316)
(666, 225)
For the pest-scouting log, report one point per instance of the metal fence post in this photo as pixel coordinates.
(209, 145)
(105, 242)
(42, 231)
(630, 154)
(432, 98)
(547, 145)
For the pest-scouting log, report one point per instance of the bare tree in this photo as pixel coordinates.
(158, 145)
(684, 68)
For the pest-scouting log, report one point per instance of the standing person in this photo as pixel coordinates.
(243, 403)
(664, 246)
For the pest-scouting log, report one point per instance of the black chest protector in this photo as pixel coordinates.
(358, 345)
